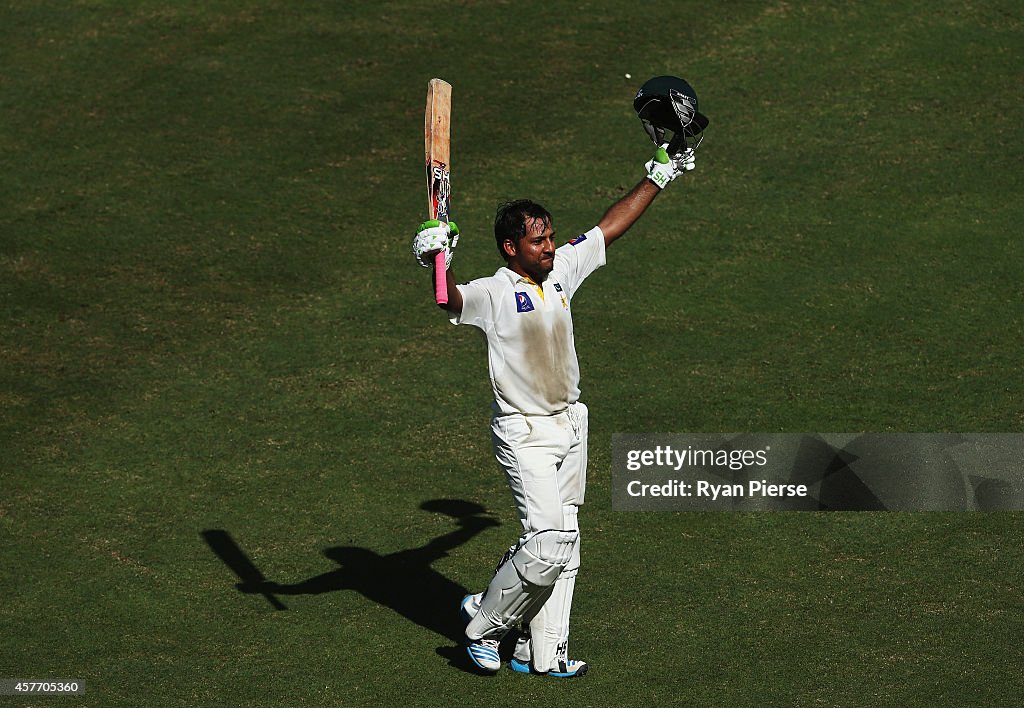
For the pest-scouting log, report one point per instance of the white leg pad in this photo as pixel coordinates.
(571, 520)
(520, 583)
(549, 627)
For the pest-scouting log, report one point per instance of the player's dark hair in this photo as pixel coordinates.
(510, 221)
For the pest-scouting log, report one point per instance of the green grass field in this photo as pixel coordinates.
(212, 321)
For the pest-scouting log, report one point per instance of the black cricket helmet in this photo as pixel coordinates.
(668, 103)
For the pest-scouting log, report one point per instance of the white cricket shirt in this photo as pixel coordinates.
(531, 353)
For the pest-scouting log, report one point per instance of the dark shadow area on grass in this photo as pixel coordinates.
(403, 581)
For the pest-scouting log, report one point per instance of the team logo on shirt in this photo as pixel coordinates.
(523, 303)
(561, 295)
(579, 239)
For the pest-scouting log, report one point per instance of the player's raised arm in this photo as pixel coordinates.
(433, 237)
(661, 170)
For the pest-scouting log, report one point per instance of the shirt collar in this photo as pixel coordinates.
(514, 277)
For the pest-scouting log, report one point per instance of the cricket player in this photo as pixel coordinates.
(538, 423)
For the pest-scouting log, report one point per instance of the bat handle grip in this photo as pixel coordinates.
(440, 279)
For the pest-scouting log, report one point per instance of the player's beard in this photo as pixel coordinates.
(542, 269)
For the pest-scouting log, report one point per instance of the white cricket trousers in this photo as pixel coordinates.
(545, 462)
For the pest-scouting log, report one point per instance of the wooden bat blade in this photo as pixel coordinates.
(437, 130)
(437, 153)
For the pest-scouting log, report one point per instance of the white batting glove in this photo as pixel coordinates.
(433, 236)
(685, 160)
(663, 168)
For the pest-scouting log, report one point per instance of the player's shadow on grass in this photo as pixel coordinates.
(403, 581)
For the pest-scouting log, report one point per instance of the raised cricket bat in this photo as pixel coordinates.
(437, 146)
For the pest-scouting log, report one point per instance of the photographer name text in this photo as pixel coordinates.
(709, 490)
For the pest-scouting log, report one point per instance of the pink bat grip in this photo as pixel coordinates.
(440, 279)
